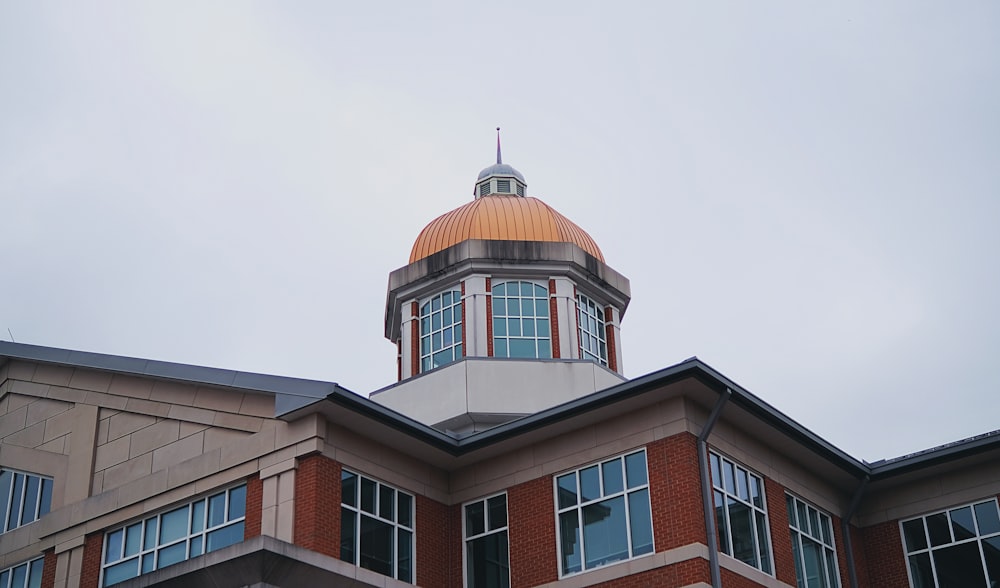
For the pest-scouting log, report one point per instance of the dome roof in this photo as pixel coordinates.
(501, 218)
(500, 169)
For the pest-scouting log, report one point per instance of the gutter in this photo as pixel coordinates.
(711, 532)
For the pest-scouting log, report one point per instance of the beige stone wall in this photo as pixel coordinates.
(119, 447)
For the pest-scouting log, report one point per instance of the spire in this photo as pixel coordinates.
(499, 160)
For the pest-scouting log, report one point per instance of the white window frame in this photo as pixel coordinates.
(152, 548)
(814, 517)
(589, 313)
(7, 574)
(40, 509)
(396, 526)
(428, 332)
(466, 538)
(580, 504)
(929, 549)
(719, 486)
(519, 319)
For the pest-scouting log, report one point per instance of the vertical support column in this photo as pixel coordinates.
(409, 339)
(562, 301)
(80, 472)
(489, 317)
(317, 507)
(475, 329)
(278, 500)
(613, 332)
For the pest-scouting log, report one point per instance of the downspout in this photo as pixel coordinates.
(706, 490)
(845, 528)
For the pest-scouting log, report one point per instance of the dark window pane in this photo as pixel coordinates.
(216, 510)
(133, 538)
(196, 546)
(18, 576)
(475, 519)
(959, 566)
(742, 484)
(613, 482)
(225, 537)
(4, 578)
(938, 529)
(913, 534)
(237, 503)
(528, 327)
(762, 542)
(35, 575)
(825, 528)
(635, 469)
(544, 346)
(797, 556)
(500, 289)
(404, 561)
(148, 563)
(30, 510)
(986, 516)
(376, 548)
(6, 478)
(640, 522)
(488, 562)
(150, 541)
(991, 551)
(812, 557)
(498, 512)
(722, 522)
(605, 537)
(756, 494)
(170, 555)
(790, 504)
(500, 348)
(962, 524)
(121, 572)
(920, 571)
(386, 501)
(741, 527)
(348, 531)
(349, 489)
(831, 568)
(405, 509)
(368, 495)
(569, 541)
(174, 525)
(198, 516)
(567, 490)
(590, 484)
(729, 473)
(113, 551)
(523, 348)
(15, 502)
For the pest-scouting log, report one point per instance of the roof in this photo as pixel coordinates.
(307, 396)
(500, 169)
(500, 217)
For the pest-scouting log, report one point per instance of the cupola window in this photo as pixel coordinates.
(484, 189)
(520, 190)
(591, 331)
(441, 330)
(521, 320)
(503, 186)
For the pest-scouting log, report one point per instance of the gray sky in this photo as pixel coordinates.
(804, 196)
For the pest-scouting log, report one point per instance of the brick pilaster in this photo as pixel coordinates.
(554, 319)
(90, 571)
(609, 336)
(255, 507)
(317, 505)
(49, 569)
(532, 533)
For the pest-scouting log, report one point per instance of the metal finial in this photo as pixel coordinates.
(499, 159)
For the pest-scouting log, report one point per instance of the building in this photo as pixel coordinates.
(511, 452)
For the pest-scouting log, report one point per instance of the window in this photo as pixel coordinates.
(441, 330)
(520, 190)
(26, 575)
(958, 547)
(484, 189)
(609, 503)
(740, 513)
(503, 186)
(487, 564)
(376, 526)
(521, 320)
(590, 326)
(812, 546)
(23, 498)
(173, 536)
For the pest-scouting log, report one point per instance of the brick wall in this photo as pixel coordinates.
(49, 569)
(609, 336)
(255, 506)
(884, 550)
(532, 532)
(436, 547)
(90, 571)
(781, 535)
(554, 318)
(675, 492)
(317, 505)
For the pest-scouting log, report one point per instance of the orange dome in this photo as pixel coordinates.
(501, 218)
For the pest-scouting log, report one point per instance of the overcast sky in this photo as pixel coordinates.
(804, 196)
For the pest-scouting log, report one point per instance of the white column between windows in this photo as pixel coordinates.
(406, 337)
(278, 501)
(565, 295)
(475, 316)
(616, 331)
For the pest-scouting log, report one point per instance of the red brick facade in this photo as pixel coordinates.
(532, 532)
(781, 535)
(436, 548)
(554, 318)
(317, 505)
(609, 335)
(886, 562)
(255, 507)
(674, 489)
(49, 569)
(90, 571)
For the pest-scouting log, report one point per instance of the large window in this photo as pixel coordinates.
(23, 498)
(441, 330)
(590, 327)
(955, 548)
(376, 526)
(487, 563)
(26, 575)
(812, 545)
(740, 513)
(521, 320)
(156, 542)
(603, 513)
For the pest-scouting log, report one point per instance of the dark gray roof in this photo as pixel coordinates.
(500, 169)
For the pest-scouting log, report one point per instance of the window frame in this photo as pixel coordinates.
(153, 548)
(7, 574)
(929, 548)
(584, 306)
(357, 508)
(500, 313)
(466, 539)
(427, 312)
(829, 549)
(41, 508)
(579, 505)
(726, 533)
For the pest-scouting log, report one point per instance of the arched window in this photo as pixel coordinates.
(590, 327)
(521, 320)
(441, 330)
